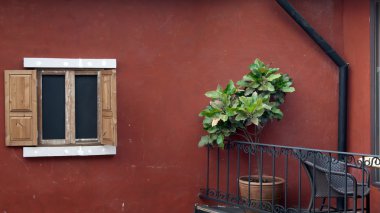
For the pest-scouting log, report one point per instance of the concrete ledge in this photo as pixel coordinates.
(68, 151)
(69, 63)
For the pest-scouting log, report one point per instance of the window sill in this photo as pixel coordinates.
(68, 151)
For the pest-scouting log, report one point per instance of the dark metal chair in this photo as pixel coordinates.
(330, 177)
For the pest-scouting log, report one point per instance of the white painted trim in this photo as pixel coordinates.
(69, 63)
(68, 151)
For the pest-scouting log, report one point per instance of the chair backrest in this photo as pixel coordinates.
(317, 166)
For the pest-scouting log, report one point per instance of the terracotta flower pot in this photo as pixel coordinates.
(267, 188)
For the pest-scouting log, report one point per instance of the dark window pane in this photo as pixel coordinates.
(86, 106)
(53, 107)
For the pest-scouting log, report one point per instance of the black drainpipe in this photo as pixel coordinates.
(338, 60)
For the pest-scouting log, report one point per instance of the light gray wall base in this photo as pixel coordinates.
(69, 63)
(68, 151)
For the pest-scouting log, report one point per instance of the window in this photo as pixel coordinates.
(48, 107)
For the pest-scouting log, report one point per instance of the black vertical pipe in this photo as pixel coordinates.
(342, 113)
(337, 59)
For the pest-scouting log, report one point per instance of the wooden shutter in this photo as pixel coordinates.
(108, 116)
(20, 107)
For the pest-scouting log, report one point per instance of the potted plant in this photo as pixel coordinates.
(243, 110)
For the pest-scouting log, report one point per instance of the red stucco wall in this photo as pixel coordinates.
(169, 53)
(356, 28)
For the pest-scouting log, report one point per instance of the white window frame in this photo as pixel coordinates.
(65, 63)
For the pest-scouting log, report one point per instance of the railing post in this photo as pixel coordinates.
(249, 175)
(299, 183)
(286, 181)
(313, 180)
(217, 172)
(345, 183)
(228, 171)
(238, 173)
(261, 177)
(273, 176)
(329, 197)
(208, 170)
(362, 191)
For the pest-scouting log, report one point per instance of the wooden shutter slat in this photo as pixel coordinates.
(20, 107)
(108, 105)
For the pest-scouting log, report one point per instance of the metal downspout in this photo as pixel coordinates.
(338, 60)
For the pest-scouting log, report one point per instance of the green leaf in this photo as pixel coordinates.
(242, 83)
(219, 88)
(213, 137)
(266, 106)
(231, 129)
(263, 88)
(215, 121)
(277, 111)
(259, 112)
(223, 118)
(249, 91)
(258, 62)
(270, 87)
(272, 70)
(240, 117)
(248, 78)
(204, 141)
(207, 120)
(288, 84)
(254, 95)
(230, 89)
(243, 99)
(255, 121)
(230, 111)
(212, 129)
(209, 112)
(288, 89)
(253, 67)
(273, 77)
(217, 104)
(220, 140)
(213, 94)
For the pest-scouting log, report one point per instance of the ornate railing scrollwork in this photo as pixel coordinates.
(334, 164)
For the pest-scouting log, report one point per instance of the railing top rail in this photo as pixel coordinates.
(304, 149)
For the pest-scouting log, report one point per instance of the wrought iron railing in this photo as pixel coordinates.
(272, 178)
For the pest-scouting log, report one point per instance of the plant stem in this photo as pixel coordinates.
(243, 136)
(248, 135)
(258, 160)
